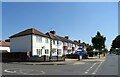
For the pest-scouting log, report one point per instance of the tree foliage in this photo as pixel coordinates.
(89, 48)
(98, 41)
(116, 42)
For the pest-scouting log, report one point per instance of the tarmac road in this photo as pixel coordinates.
(107, 67)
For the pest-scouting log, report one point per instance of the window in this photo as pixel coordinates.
(46, 40)
(75, 45)
(46, 51)
(69, 51)
(53, 42)
(59, 51)
(65, 44)
(58, 43)
(39, 51)
(68, 44)
(53, 51)
(38, 39)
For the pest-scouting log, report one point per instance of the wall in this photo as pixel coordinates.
(5, 48)
(39, 45)
(57, 47)
(20, 44)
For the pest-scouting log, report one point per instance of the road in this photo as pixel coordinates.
(107, 67)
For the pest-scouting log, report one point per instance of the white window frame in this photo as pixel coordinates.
(46, 40)
(39, 39)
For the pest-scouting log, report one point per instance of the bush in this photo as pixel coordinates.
(90, 53)
(95, 53)
(72, 56)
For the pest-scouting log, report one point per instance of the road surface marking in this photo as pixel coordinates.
(97, 68)
(90, 68)
(6, 70)
(26, 70)
(78, 63)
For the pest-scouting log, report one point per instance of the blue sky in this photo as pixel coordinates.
(78, 20)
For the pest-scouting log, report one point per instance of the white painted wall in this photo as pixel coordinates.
(56, 47)
(39, 45)
(60, 47)
(5, 48)
(20, 44)
(64, 44)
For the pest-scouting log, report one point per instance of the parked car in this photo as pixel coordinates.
(117, 53)
(82, 53)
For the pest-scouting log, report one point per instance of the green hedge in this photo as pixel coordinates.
(72, 56)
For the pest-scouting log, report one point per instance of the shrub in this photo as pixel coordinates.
(72, 56)
(90, 53)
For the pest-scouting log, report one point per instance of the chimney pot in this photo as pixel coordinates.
(66, 37)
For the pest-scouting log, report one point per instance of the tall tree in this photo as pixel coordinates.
(98, 42)
(116, 42)
(89, 48)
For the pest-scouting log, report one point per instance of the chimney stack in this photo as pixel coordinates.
(79, 41)
(75, 40)
(53, 32)
(66, 37)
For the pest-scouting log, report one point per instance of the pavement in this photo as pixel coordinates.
(66, 62)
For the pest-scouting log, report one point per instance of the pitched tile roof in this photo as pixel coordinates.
(29, 32)
(6, 44)
(53, 36)
(60, 38)
(65, 40)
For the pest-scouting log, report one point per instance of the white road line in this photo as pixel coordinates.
(21, 71)
(9, 71)
(97, 68)
(90, 68)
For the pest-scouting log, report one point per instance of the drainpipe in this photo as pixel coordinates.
(57, 54)
(50, 50)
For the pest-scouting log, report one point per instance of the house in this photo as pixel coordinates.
(56, 44)
(68, 45)
(77, 44)
(32, 41)
(4, 46)
(35, 43)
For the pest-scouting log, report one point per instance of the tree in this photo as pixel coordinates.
(7, 40)
(98, 42)
(89, 50)
(105, 50)
(116, 42)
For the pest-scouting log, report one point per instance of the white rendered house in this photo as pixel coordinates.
(56, 44)
(32, 41)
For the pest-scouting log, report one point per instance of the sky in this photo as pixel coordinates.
(78, 20)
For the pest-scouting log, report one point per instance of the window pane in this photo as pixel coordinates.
(46, 51)
(38, 39)
(54, 42)
(46, 40)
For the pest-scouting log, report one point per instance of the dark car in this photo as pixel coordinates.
(118, 53)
